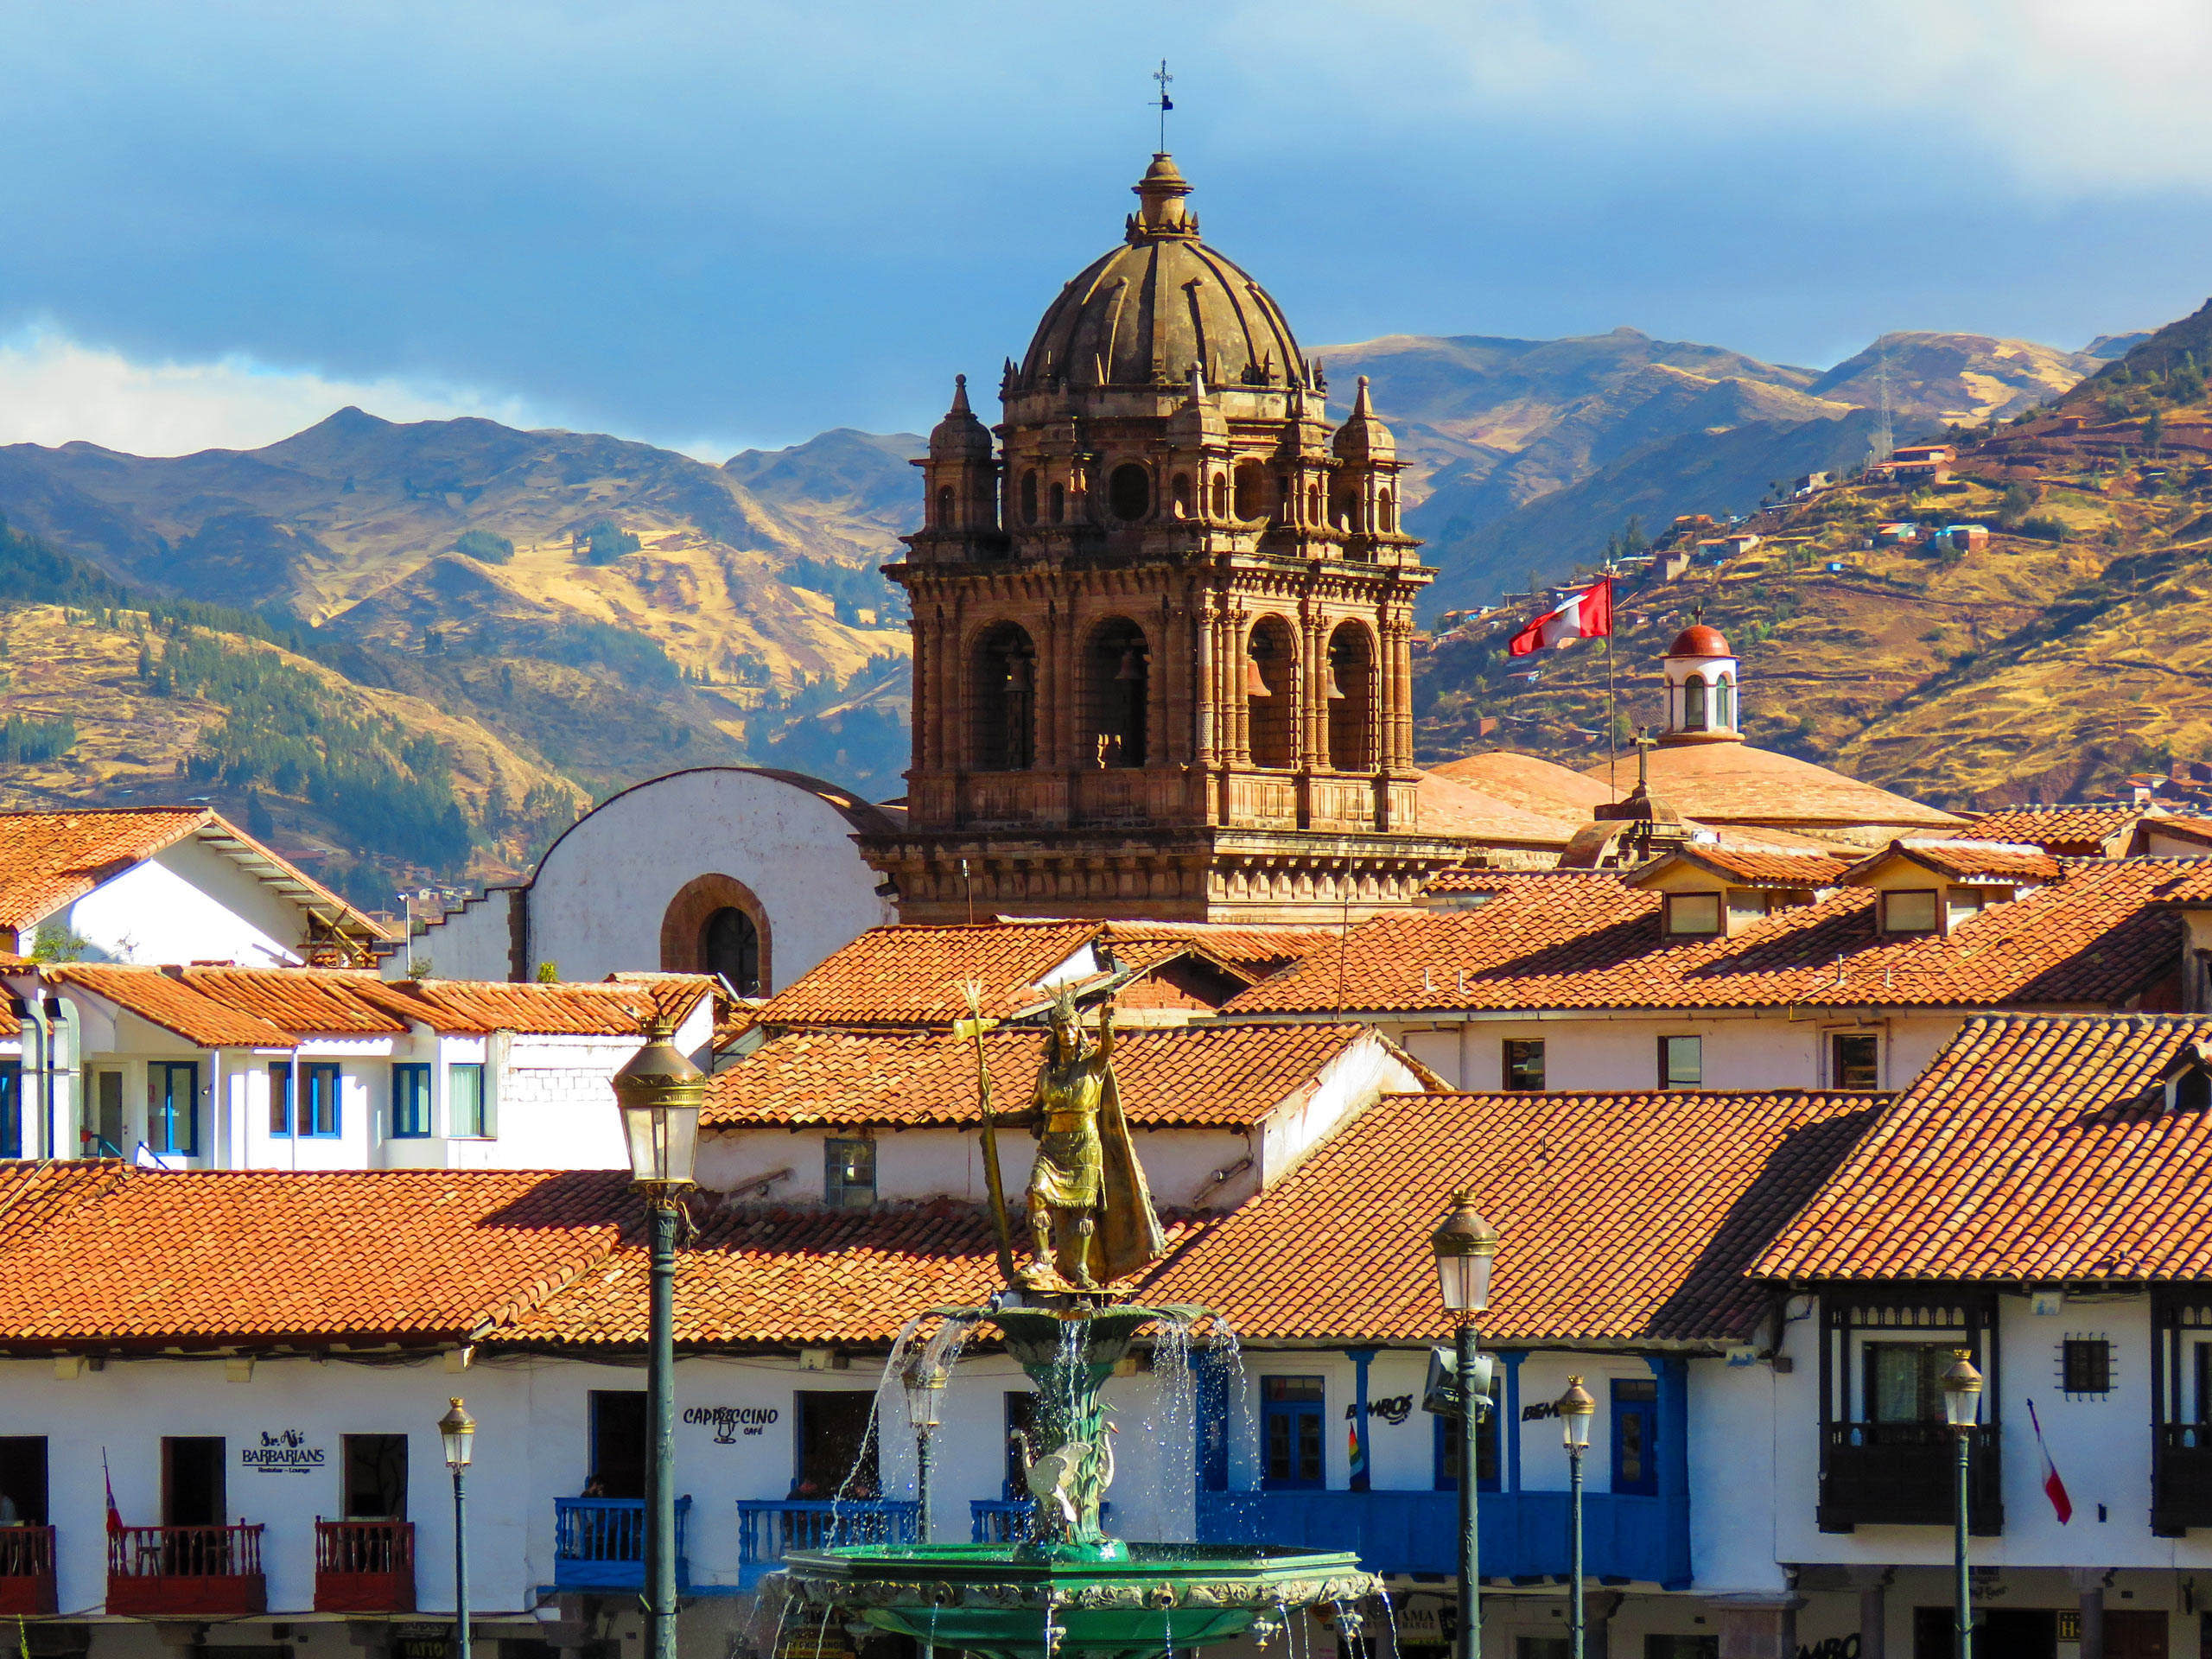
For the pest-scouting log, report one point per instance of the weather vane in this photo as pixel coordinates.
(1165, 102)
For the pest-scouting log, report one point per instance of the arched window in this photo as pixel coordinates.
(1180, 493)
(1271, 693)
(1694, 697)
(1351, 699)
(1029, 497)
(1003, 692)
(1388, 511)
(1723, 704)
(1251, 489)
(1128, 493)
(1313, 504)
(1118, 670)
(1221, 495)
(1060, 503)
(944, 507)
(729, 944)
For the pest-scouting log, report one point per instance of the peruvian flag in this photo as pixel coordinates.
(1587, 613)
(2053, 1487)
(114, 1514)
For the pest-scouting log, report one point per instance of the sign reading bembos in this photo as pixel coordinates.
(730, 1421)
(282, 1451)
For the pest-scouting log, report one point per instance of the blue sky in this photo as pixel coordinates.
(738, 223)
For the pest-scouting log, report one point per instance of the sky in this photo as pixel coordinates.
(723, 224)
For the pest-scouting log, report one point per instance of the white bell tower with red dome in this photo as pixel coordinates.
(1703, 705)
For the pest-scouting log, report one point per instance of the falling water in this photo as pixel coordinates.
(1390, 1622)
(1223, 1350)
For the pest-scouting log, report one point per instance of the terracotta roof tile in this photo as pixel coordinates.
(1624, 1216)
(1221, 1076)
(909, 975)
(602, 1009)
(1586, 939)
(1756, 866)
(1965, 860)
(101, 1253)
(2028, 1149)
(204, 1020)
(2069, 832)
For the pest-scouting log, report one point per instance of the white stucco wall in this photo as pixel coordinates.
(597, 899)
(189, 903)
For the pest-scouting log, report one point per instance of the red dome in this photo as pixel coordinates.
(1697, 640)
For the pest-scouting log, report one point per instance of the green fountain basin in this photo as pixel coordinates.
(1112, 1598)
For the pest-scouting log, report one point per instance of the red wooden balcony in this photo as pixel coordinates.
(26, 1572)
(186, 1572)
(365, 1567)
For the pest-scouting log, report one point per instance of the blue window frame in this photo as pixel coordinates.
(11, 1111)
(1448, 1445)
(411, 1117)
(318, 1100)
(173, 1107)
(1636, 1435)
(1291, 1434)
(280, 1098)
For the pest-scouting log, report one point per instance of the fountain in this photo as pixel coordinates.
(1068, 1589)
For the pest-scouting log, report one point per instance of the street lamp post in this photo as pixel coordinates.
(1464, 1245)
(659, 1092)
(1962, 1405)
(925, 1385)
(1575, 1408)
(458, 1430)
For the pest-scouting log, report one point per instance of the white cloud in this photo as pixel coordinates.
(53, 389)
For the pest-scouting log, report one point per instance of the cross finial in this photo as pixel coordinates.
(1644, 744)
(1164, 101)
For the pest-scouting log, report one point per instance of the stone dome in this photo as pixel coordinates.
(1697, 640)
(960, 435)
(1147, 313)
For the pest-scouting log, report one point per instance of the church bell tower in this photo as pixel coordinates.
(1161, 623)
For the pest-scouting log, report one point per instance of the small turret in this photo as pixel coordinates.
(1363, 438)
(960, 492)
(1162, 192)
(960, 435)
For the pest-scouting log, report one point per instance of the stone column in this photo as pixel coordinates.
(2089, 1584)
(1757, 1627)
(1206, 639)
(1872, 1584)
(1598, 1607)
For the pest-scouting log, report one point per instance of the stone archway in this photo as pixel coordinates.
(695, 915)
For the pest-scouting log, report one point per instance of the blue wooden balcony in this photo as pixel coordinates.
(599, 1543)
(1524, 1534)
(767, 1527)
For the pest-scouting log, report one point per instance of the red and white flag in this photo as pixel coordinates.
(114, 1514)
(1587, 613)
(2053, 1487)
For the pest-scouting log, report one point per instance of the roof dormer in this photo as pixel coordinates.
(1711, 892)
(1931, 886)
(2186, 1079)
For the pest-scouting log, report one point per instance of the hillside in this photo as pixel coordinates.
(1497, 433)
(2066, 650)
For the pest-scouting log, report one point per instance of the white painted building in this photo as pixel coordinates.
(742, 871)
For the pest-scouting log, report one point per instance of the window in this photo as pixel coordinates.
(1683, 1647)
(104, 1115)
(1636, 1435)
(1542, 1647)
(850, 1182)
(376, 1477)
(1389, 513)
(1694, 704)
(618, 1442)
(2085, 1365)
(1290, 1434)
(1059, 500)
(1682, 1062)
(1120, 675)
(411, 1102)
(1447, 1444)
(944, 507)
(1854, 1060)
(1724, 703)
(1029, 497)
(465, 1100)
(23, 1477)
(318, 1100)
(280, 1097)
(1128, 492)
(1904, 1381)
(1002, 714)
(1251, 489)
(836, 1444)
(11, 1111)
(1910, 911)
(1221, 495)
(1524, 1064)
(1693, 913)
(1969, 901)
(173, 1107)
(729, 944)
(1178, 491)
(2193, 1090)
(192, 1481)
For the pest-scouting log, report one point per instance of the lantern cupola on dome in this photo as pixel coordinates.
(1702, 702)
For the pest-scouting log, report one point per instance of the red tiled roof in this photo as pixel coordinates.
(1965, 861)
(2074, 831)
(1585, 939)
(603, 1009)
(1624, 1216)
(1256, 949)
(2029, 1150)
(1754, 867)
(98, 1253)
(909, 976)
(1220, 1076)
(175, 1005)
(2181, 827)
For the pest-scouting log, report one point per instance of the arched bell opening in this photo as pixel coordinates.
(716, 924)
(944, 508)
(1029, 497)
(1128, 493)
(1178, 492)
(1251, 490)
(1002, 699)
(1271, 693)
(1118, 675)
(1349, 672)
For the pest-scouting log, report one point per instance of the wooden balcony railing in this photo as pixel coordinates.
(1902, 1474)
(768, 1527)
(26, 1572)
(211, 1572)
(364, 1567)
(599, 1543)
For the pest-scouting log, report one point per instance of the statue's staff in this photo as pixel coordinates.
(974, 1028)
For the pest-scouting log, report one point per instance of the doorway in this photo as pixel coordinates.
(376, 1477)
(1636, 1435)
(1291, 1434)
(22, 1479)
(2135, 1633)
(104, 1115)
(192, 1481)
(618, 1442)
(836, 1452)
(1999, 1633)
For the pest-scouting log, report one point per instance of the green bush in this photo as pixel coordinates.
(2044, 528)
(484, 547)
(23, 739)
(603, 541)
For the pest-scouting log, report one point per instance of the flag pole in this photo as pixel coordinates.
(1612, 725)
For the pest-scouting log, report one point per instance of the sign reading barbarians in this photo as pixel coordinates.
(282, 1451)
